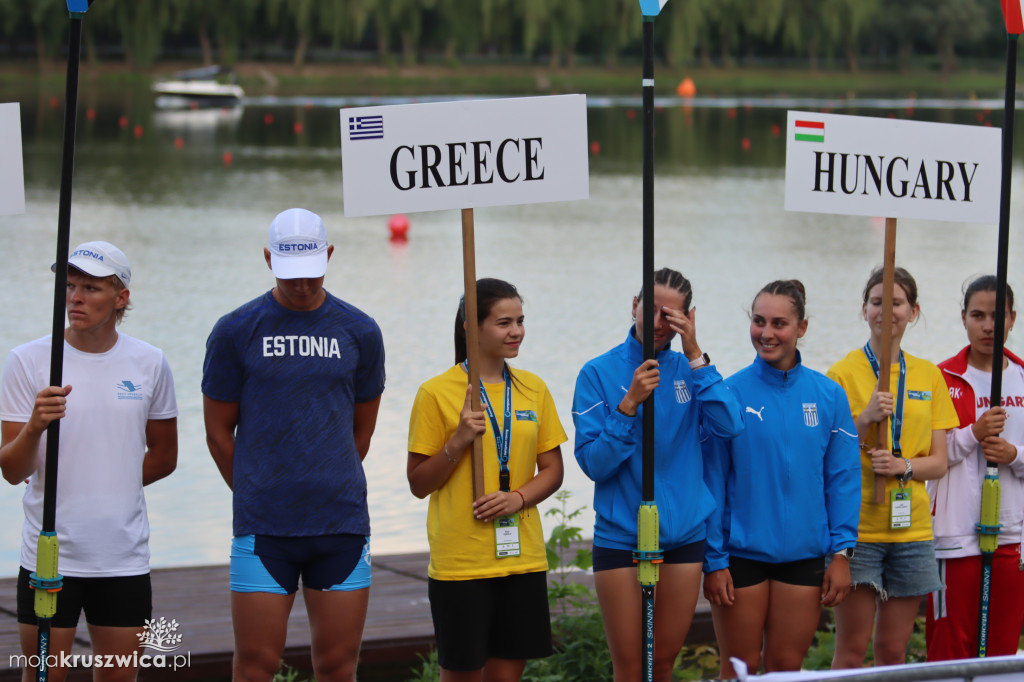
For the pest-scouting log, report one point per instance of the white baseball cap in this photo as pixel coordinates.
(298, 245)
(100, 259)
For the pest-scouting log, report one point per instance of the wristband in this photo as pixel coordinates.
(523, 498)
(701, 361)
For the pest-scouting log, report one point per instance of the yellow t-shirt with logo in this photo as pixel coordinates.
(927, 407)
(462, 548)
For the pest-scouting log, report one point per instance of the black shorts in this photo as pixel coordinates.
(606, 559)
(121, 602)
(503, 617)
(806, 572)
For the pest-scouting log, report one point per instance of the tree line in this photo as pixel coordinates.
(558, 33)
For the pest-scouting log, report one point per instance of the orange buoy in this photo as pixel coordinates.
(686, 88)
(398, 226)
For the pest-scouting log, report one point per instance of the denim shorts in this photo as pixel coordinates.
(896, 569)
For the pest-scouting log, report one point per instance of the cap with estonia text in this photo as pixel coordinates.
(298, 245)
(100, 259)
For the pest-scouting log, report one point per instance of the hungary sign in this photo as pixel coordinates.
(453, 155)
(856, 165)
(12, 175)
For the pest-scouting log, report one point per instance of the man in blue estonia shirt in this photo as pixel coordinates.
(291, 387)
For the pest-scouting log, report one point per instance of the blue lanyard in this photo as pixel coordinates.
(502, 439)
(897, 415)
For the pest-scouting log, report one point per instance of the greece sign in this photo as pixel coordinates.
(466, 154)
(12, 174)
(858, 165)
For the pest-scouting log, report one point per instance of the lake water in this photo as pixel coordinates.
(156, 183)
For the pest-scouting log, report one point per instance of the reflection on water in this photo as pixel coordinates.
(192, 216)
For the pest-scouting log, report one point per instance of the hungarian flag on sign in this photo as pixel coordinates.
(1012, 14)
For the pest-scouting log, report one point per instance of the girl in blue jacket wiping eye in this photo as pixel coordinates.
(607, 412)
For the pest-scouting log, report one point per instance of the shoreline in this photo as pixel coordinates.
(361, 78)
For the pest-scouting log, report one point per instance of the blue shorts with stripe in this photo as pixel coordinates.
(268, 563)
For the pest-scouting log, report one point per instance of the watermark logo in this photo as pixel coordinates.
(133, 660)
(161, 635)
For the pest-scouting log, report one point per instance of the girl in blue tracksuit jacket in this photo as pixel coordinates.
(788, 493)
(607, 412)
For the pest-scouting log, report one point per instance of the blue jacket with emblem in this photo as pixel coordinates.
(609, 443)
(788, 486)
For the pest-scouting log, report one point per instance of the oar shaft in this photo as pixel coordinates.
(67, 171)
(648, 249)
(988, 527)
(1003, 247)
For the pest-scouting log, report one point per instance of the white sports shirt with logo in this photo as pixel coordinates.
(101, 520)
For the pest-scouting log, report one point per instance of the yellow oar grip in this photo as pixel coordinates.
(46, 580)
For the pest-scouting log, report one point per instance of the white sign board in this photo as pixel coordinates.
(12, 174)
(453, 155)
(858, 165)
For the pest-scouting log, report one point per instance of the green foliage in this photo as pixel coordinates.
(429, 670)
(819, 656)
(286, 673)
(521, 30)
(566, 556)
(699, 663)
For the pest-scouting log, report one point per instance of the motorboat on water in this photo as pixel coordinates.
(211, 86)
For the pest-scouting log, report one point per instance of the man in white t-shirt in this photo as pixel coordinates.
(118, 433)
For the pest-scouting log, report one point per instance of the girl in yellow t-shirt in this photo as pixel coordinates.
(893, 564)
(488, 564)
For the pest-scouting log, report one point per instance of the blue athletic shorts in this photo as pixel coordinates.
(268, 563)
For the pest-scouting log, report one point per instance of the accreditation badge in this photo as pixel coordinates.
(506, 536)
(899, 508)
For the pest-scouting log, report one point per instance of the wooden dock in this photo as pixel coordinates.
(398, 624)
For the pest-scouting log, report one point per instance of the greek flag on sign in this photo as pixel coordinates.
(366, 128)
(811, 414)
(682, 392)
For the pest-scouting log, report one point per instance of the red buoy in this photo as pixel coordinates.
(398, 226)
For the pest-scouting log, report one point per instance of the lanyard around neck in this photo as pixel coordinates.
(502, 438)
(901, 386)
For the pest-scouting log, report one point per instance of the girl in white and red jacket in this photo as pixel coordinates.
(986, 435)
